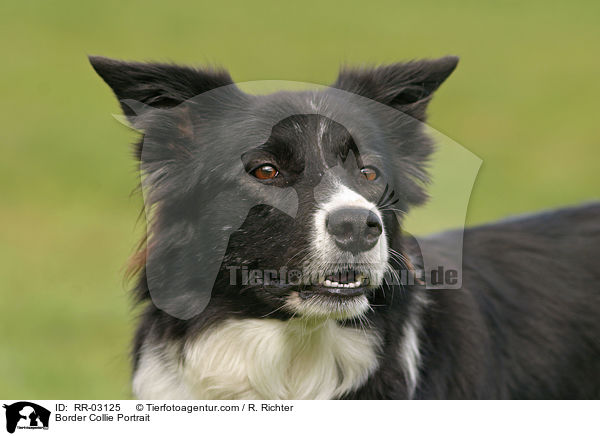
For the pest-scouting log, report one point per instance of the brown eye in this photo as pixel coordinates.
(265, 172)
(369, 173)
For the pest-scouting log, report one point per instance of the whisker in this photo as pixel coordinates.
(273, 311)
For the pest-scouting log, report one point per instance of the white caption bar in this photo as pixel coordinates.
(300, 417)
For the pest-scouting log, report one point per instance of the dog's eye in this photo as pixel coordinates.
(265, 172)
(369, 173)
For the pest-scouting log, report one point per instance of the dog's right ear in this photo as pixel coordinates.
(157, 85)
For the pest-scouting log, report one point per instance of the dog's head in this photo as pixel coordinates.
(289, 202)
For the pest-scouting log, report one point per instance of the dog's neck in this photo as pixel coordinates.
(262, 359)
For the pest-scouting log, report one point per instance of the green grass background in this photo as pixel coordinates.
(524, 99)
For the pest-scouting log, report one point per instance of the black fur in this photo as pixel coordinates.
(525, 323)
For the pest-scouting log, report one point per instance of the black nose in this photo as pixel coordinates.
(354, 229)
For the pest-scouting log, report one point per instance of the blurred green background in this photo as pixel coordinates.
(524, 99)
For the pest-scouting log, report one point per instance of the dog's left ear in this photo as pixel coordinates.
(407, 87)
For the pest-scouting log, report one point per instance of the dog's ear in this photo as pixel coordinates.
(155, 84)
(157, 99)
(407, 87)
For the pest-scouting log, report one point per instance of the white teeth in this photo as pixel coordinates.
(328, 283)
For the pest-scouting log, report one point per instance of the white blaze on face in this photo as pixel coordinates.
(325, 251)
(327, 258)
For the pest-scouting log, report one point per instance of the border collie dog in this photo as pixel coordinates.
(317, 182)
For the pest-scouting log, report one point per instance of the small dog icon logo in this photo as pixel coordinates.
(26, 415)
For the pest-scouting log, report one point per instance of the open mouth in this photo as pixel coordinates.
(338, 295)
(348, 283)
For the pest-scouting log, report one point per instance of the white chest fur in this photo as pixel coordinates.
(261, 359)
